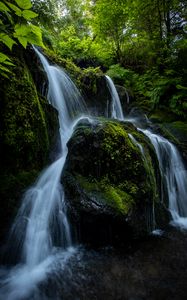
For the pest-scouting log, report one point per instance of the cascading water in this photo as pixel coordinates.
(43, 204)
(43, 210)
(174, 177)
(116, 108)
(172, 169)
(135, 142)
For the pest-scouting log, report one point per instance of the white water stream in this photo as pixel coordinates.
(172, 169)
(43, 207)
(174, 177)
(116, 108)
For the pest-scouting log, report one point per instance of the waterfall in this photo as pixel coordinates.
(172, 169)
(174, 177)
(116, 108)
(46, 197)
(43, 208)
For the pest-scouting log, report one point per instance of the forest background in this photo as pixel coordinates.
(140, 44)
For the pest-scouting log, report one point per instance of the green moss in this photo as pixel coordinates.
(108, 194)
(114, 134)
(120, 149)
(23, 120)
(118, 199)
(65, 63)
(23, 136)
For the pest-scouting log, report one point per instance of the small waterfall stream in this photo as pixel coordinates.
(174, 177)
(116, 108)
(172, 169)
(135, 142)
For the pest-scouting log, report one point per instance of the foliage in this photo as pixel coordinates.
(141, 43)
(121, 75)
(152, 90)
(16, 28)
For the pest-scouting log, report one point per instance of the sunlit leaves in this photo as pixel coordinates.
(16, 9)
(28, 14)
(3, 7)
(28, 34)
(15, 28)
(24, 4)
(22, 12)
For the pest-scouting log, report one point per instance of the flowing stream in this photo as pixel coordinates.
(43, 211)
(172, 169)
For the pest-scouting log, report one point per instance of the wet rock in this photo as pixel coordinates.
(109, 185)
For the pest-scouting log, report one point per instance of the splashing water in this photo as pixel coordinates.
(43, 209)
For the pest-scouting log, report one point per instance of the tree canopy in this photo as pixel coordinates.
(143, 40)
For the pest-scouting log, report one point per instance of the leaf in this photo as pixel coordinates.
(23, 41)
(3, 74)
(24, 4)
(9, 63)
(9, 42)
(180, 87)
(30, 33)
(3, 57)
(16, 9)
(3, 7)
(28, 14)
(5, 69)
(35, 36)
(21, 30)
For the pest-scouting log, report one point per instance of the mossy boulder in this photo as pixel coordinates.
(109, 184)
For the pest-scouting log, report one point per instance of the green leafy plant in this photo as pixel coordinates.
(16, 28)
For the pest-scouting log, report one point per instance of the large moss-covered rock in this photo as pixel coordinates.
(109, 184)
